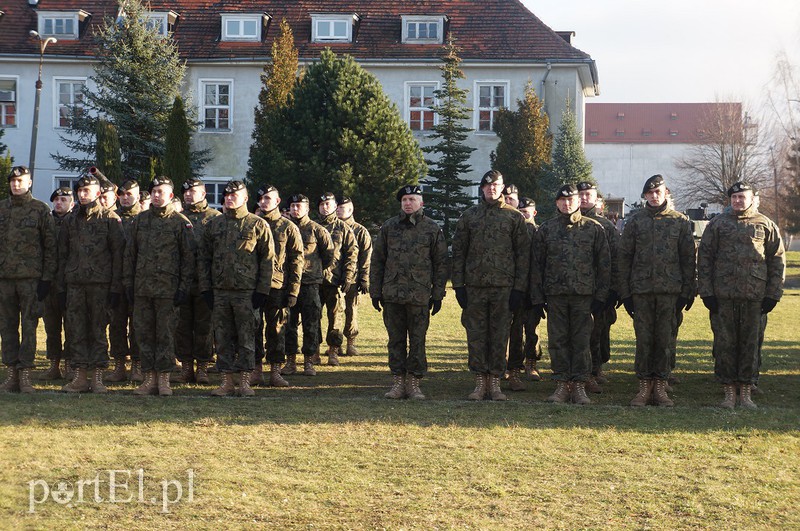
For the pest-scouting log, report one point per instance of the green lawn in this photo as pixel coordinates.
(330, 452)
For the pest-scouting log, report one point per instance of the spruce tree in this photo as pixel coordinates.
(108, 157)
(177, 158)
(446, 199)
(569, 159)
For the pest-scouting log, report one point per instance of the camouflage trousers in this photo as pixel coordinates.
(600, 341)
(656, 329)
(487, 320)
(19, 303)
(121, 332)
(85, 324)
(523, 340)
(760, 344)
(271, 329)
(333, 303)
(53, 319)
(193, 338)
(407, 326)
(351, 312)
(736, 327)
(235, 322)
(154, 322)
(308, 308)
(569, 329)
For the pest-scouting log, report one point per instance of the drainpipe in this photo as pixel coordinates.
(544, 88)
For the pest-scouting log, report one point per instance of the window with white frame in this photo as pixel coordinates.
(492, 96)
(332, 28)
(241, 27)
(61, 24)
(215, 191)
(69, 100)
(65, 181)
(420, 99)
(422, 29)
(217, 98)
(8, 102)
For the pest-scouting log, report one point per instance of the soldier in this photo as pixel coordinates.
(740, 278)
(144, 200)
(194, 342)
(287, 270)
(63, 201)
(361, 286)
(159, 268)
(339, 277)
(236, 274)
(511, 195)
(122, 341)
(178, 205)
(570, 274)
(491, 255)
(408, 277)
(656, 261)
(317, 257)
(90, 247)
(600, 344)
(108, 192)
(27, 267)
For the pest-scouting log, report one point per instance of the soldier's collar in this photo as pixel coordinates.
(656, 210)
(163, 211)
(588, 211)
(569, 219)
(21, 199)
(237, 213)
(273, 214)
(330, 218)
(200, 206)
(134, 209)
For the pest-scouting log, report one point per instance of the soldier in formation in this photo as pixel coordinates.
(525, 331)
(344, 211)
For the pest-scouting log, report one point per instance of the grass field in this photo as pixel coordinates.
(330, 452)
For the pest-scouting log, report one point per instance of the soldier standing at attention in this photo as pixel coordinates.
(194, 342)
(361, 286)
(656, 261)
(740, 269)
(108, 192)
(531, 350)
(235, 279)
(144, 200)
(90, 247)
(516, 355)
(570, 273)
(27, 267)
(63, 200)
(408, 277)
(491, 255)
(511, 195)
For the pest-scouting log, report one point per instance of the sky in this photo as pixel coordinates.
(679, 50)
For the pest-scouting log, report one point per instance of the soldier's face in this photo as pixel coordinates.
(411, 203)
(327, 207)
(128, 198)
(63, 204)
(298, 210)
(528, 212)
(741, 201)
(87, 194)
(493, 191)
(588, 198)
(269, 201)
(656, 196)
(20, 185)
(108, 199)
(512, 200)
(235, 199)
(344, 211)
(568, 205)
(161, 195)
(193, 195)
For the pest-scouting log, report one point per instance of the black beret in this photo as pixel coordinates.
(325, 197)
(18, 171)
(739, 186)
(409, 189)
(568, 190)
(234, 186)
(653, 182)
(144, 196)
(344, 200)
(107, 186)
(526, 202)
(298, 198)
(265, 189)
(191, 183)
(130, 184)
(510, 189)
(586, 185)
(491, 176)
(86, 180)
(158, 181)
(60, 192)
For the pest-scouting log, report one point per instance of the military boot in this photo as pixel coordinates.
(25, 381)
(187, 372)
(660, 397)
(755, 389)
(136, 371)
(351, 349)
(118, 374)
(561, 394)
(257, 375)
(244, 384)
(226, 387)
(11, 384)
(275, 378)
(514, 381)
(163, 384)
(333, 356)
(53, 372)
(398, 389)
(291, 365)
(601, 377)
(308, 366)
(730, 396)
(494, 391)
(79, 384)
(69, 372)
(315, 359)
(530, 370)
(149, 386)
(201, 374)
(97, 382)
(593, 386)
(480, 387)
(745, 398)
(412, 387)
(578, 394)
(644, 394)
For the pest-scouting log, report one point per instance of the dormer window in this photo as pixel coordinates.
(243, 27)
(423, 29)
(332, 28)
(161, 21)
(61, 24)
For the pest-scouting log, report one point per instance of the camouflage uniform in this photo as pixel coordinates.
(27, 258)
(121, 332)
(340, 274)
(53, 315)
(409, 269)
(361, 284)
(523, 340)
(491, 256)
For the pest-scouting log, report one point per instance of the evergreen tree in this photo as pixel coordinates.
(108, 154)
(446, 199)
(569, 160)
(6, 163)
(177, 159)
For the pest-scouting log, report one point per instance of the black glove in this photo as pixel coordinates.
(291, 301)
(180, 298)
(434, 306)
(539, 310)
(62, 301)
(613, 299)
(42, 289)
(629, 306)
(711, 303)
(598, 307)
(259, 299)
(683, 303)
(208, 296)
(768, 304)
(515, 300)
(113, 300)
(690, 304)
(376, 303)
(345, 286)
(461, 296)
(363, 288)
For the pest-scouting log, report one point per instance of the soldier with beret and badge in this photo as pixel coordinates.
(108, 192)
(741, 268)
(236, 262)
(144, 200)
(407, 280)
(344, 211)
(27, 267)
(511, 195)
(657, 280)
(491, 257)
(90, 248)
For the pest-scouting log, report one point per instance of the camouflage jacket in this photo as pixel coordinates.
(741, 256)
(656, 254)
(127, 215)
(90, 248)
(612, 236)
(159, 255)
(570, 256)
(287, 268)
(345, 252)
(364, 242)
(200, 215)
(491, 247)
(59, 222)
(27, 239)
(236, 253)
(317, 249)
(409, 261)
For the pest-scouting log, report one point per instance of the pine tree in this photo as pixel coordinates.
(108, 155)
(447, 199)
(177, 159)
(569, 160)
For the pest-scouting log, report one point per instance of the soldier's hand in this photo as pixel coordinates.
(434, 306)
(42, 289)
(291, 301)
(345, 286)
(180, 298)
(461, 296)
(711, 303)
(376, 303)
(768, 304)
(62, 301)
(598, 307)
(515, 300)
(539, 310)
(613, 299)
(628, 303)
(363, 288)
(114, 300)
(682, 304)
(259, 299)
(208, 296)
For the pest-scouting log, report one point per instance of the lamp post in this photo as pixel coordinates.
(35, 131)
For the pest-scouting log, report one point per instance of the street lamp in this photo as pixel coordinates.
(35, 132)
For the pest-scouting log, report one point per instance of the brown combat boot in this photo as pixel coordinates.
(398, 389)
(494, 391)
(593, 386)
(645, 391)
(11, 383)
(257, 376)
(412, 387)
(201, 374)
(308, 366)
(244, 384)
(53, 372)
(561, 394)
(601, 377)
(351, 349)
(291, 365)
(149, 386)
(315, 359)
(187, 372)
(480, 387)
(69, 372)
(25, 385)
(745, 398)
(660, 397)
(136, 371)
(514, 381)
(530, 370)
(333, 356)
(163, 384)
(97, 384)
(578, 394)
(730, 396)
(79, 384)
(118, 374)
(226, 387)
(275, 378)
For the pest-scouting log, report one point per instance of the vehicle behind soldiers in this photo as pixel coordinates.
(361, 286)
